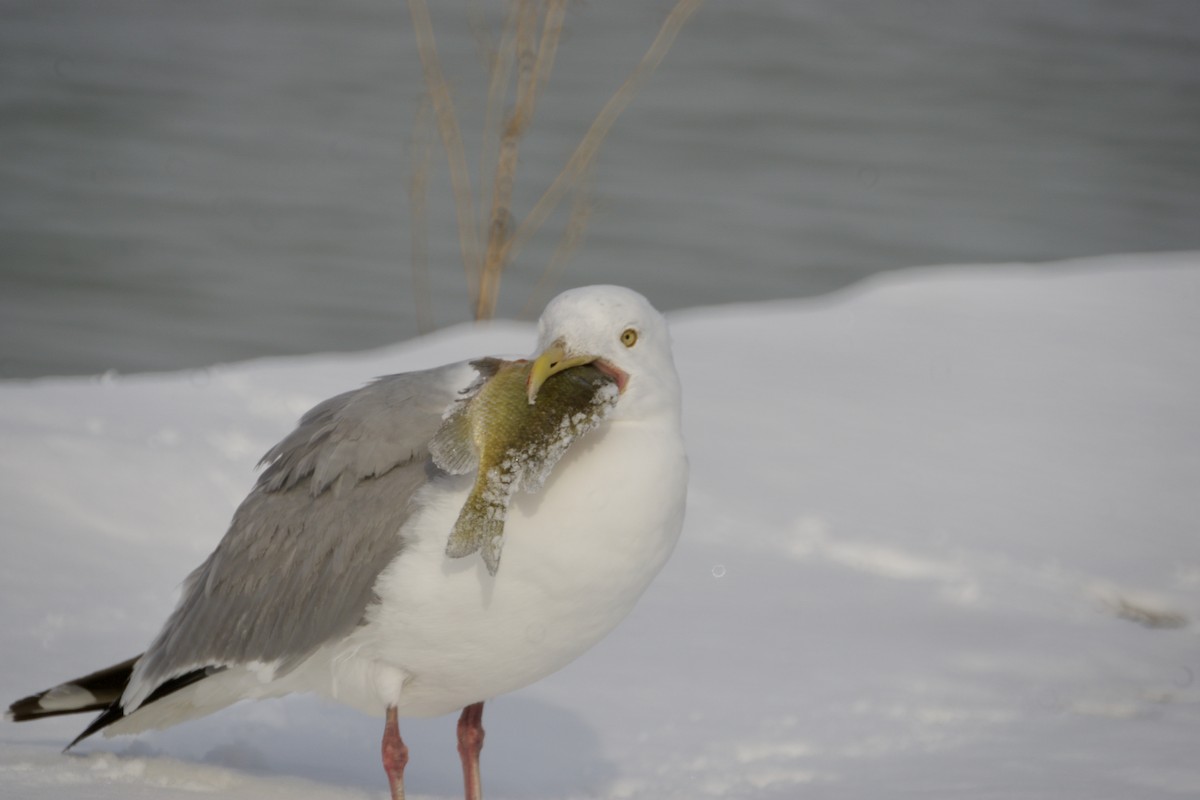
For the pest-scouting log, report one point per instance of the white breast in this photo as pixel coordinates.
(576, 557)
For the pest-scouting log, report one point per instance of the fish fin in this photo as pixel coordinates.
(487, 369)
(462, 542)
(466, 536)
(493, 542)
(480, 527)
(453, 447)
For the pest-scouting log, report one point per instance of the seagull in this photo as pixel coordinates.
(333, 576)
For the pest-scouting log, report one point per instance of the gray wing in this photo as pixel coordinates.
(299, 562)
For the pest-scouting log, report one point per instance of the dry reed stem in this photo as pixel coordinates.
(484, 270)
(589, 146)
(499, 228)
(418, 196)
(447, 123)
(556, 11)
(499, 70)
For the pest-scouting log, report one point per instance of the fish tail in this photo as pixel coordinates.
(493, 541)
(480, 527)
(463, 539)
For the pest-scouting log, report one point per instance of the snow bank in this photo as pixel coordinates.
(941, 542)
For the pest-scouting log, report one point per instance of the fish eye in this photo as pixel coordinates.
(629, 337)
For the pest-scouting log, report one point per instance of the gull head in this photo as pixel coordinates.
(621, 334)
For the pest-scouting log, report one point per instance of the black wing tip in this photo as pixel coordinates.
(92, 692)
(30, 708)
(98, 691)
(115, 712)
(106, 717)
(105, 687)
(25, 709)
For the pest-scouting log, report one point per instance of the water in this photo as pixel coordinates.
(188, 183)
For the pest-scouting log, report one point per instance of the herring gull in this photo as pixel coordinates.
(334, 578)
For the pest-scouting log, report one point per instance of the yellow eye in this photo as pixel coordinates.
(629, 337)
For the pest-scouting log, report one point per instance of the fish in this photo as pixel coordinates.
(513, 441)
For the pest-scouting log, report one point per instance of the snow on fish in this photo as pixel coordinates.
(513, 441)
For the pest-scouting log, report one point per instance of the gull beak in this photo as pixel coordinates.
(553, 359)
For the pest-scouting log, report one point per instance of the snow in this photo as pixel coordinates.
(941, 542)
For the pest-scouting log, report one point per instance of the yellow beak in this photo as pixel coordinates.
(553, 359)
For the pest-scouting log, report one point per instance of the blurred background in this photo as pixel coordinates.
(188, 183)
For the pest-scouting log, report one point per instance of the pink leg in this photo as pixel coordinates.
(395, 754)
(470, 742)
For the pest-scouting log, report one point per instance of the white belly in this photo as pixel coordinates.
(576, 557)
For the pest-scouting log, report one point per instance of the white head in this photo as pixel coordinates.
(618, 330)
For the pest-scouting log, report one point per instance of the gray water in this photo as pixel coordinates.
(186, 183)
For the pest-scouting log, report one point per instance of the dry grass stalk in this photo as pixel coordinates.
(447, 123)
(533, 68)
(585, 154)
(499, 71)
(506, 165)
(556, 12)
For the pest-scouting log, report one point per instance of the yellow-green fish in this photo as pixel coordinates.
(514, 436)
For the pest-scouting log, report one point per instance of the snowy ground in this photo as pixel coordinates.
(942, 542)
